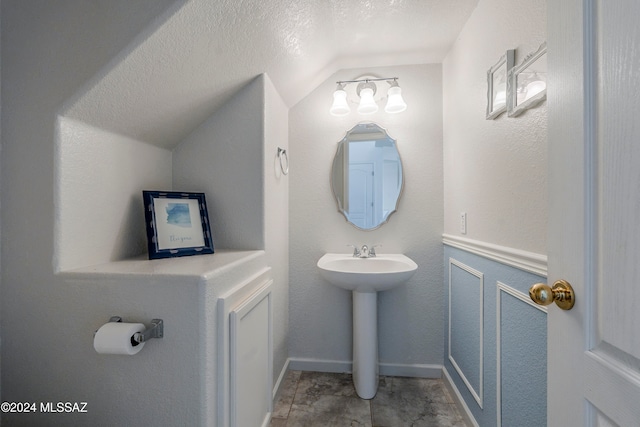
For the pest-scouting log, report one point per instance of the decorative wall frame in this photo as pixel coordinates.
(527, 83)
(177, 224)
(497, 85)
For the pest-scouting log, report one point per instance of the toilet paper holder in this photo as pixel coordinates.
(156, 330)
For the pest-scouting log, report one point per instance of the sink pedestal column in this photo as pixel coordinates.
(365, 344)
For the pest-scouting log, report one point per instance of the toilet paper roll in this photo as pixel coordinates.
(117, 338)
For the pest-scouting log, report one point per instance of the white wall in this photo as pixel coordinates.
(276, 219)
(232, 158)
(99, 181)
(223, 158)
(48, 322)
(410, 317)
(49, 318)
(494, 170)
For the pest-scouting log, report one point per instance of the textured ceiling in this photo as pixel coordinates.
(196, 56)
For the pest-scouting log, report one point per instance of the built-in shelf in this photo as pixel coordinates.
(206, 267)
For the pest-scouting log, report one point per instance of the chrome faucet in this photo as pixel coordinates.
(372, 250)
(356, 251)
(364, 251)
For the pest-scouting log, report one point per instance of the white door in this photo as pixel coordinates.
(361, 194)
(594, 211)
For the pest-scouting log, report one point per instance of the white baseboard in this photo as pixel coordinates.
(279, 381)
(390, 369)
(319, 365)
(413, 371)
(460, 403)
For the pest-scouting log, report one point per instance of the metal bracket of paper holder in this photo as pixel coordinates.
(156, 330)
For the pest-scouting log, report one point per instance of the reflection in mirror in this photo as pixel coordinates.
(367, 176)
(527, 84)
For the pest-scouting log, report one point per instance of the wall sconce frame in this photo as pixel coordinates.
(497, 85)
(395, 103)
(535, 65)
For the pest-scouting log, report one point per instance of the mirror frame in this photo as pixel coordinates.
(515, 109)
(506, 60)
(331, 183)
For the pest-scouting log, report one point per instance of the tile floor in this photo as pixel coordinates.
(310, 399)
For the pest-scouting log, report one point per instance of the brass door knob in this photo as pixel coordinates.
(561, 293)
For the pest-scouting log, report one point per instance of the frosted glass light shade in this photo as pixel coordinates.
(340, 106)
(367, 103)
(395, 103)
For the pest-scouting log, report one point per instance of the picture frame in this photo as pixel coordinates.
(527, 83)
(497, 85)
(177, 224)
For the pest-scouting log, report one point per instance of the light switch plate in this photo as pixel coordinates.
(463, 222)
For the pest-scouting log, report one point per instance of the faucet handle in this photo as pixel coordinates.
(356, 251)
(372, 250)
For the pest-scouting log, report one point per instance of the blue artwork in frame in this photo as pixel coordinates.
(177, 224)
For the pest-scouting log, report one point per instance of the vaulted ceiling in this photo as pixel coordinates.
(178, 71)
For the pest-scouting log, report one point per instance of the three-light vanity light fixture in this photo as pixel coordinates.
(366, 90)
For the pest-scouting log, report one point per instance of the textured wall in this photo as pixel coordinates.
(231, 157)
(103, 171)
(410, 317)
(276, 219)
(52, 50)
(223, 158)
(99, 181)
(494, 170)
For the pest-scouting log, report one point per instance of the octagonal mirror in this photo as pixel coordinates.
(367, 177)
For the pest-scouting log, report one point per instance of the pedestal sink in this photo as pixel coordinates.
(365, 277)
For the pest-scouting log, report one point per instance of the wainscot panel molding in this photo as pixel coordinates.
(523, 260)
(463, 339)
(488, 299)
(245, 327)
(522, 356)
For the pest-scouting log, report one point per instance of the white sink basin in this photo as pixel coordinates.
(379, 273)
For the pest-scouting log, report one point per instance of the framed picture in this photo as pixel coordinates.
(177, 224)
(497, 85)
(527, 84)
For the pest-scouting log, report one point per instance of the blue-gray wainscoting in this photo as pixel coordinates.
(495, 340)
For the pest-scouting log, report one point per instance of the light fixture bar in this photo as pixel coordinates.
(366, 91)
(382, 79)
